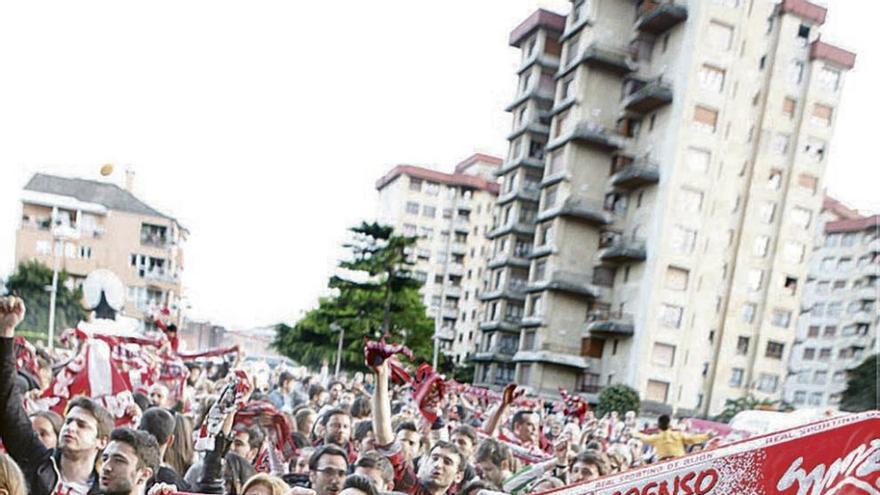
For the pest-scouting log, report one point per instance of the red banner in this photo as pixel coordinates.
(839, 456)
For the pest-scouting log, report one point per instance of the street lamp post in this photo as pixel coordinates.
(60, 234)
(337, 328)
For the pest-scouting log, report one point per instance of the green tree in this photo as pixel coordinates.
(29, 282)
(375, 294)
(861, 387)
(620, 398)
(732, 407)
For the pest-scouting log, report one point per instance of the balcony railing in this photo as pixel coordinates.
(649, 96)
(568, 282)
(578, 208)
(657, 17)
(590, 388)
(607, 322)
(623, 249)
(634, 174)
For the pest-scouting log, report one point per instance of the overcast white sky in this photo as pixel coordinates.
(263, 125)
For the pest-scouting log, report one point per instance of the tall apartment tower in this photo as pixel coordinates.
(837, 329)
(682, 178)
(451, 214)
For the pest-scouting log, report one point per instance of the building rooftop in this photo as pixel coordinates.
(477, 158)
(833, 54)
(805, 10)
(540, 19)
(853, 224)
(455, 179)
(109, 195)
(840, 209)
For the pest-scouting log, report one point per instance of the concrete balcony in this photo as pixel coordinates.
(568, 282)
(550, 357)
(656, 17)
(610, 323)
(593, 135)
(649, 97)
(500, 260)
(623, 250)
(445, 333)
(159, 277)
(636, 174)
(512, 227)
(532, 321)
(458, 248)
(455, 269)
(869, 293)
(523, 161)
(460, 225)
(581, 209)
(452, 291)
(449, 312)
(491, 357)
(870, 270)
(511, 291)
(540, 59)
(599, 55)
(533, 127)
(506, 325)
(537, 93)
(531, 195)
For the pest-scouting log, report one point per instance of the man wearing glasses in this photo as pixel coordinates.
(328, 468)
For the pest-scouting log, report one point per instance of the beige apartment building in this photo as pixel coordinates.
(668, 161)
(837, 329)
(112, 229)
(450, 213)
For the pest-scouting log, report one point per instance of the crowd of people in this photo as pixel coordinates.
(232, 429)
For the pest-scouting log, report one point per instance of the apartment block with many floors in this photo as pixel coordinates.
(451, 214)
(681, 182)
(114, 230)
(512, 236)
(837, 329)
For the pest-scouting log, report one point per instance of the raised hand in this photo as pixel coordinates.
(11, 313)
(511, 394)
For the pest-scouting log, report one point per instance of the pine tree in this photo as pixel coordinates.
(375, 294)
(861, 387)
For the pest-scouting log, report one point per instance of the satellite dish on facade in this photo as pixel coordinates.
(104, 293)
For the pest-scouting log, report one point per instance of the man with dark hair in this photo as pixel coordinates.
(442, 469)
(337, 431)
(128, 462)
(670, 443)
(68, 468)
(525, 423)
(587, 465)
(465, 438)
(282, 396)
(363, 437)
(335, 390)
(356, 484)
(246, 441)
(361, 408)
(328, 467)
(378, 469)
(160, 423)
(410, 439)
(492, 462)
(317, 396)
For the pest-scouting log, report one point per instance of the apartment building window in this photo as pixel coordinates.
(663, 354)
(527, 214)
(536, 306)
(793, 252)
(801, 217)
(697, 160)
(820, 377)
(690, 200)
(816, 399)
(800, 397)
(748, 312)
(415, 185)
(571, 50)
(409, 230)
(705, 118)
(435, 301)
(759, 249)
(536, 149)
(829, 78)
(803, 377)
(530, 48)
(433, 189)
(825, 354)
(767, 211)
(429, 211)
(441, 257)
(562, 123)
(796, 72)
(426, 232)
(85, 252)
(774, 350)
(550, 196)
(834, 309)
(592, 348)
(671, 315)
(742, 346)
(839, 285)
(567, 88)
(412, 208)
(515, 149)
(788, 107)
(711, 78)
(525, 82)
(545, 234)
(736, 377)
(720, 36)
(822, 115)
(522, 248)
(657, 391)
(844, 264)
(539, 272)
(755, 277)
(513, 312)
(683, 240)
(525, 371)
(809, 354)
(829, 331)
(815, 149)
(780, 143)
(528, 342)
(677, 278)
(768, 383)
(839, 377)
(848, 239)
(780, 318)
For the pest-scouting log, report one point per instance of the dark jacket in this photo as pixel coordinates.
(167, 475)
(41, 466)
